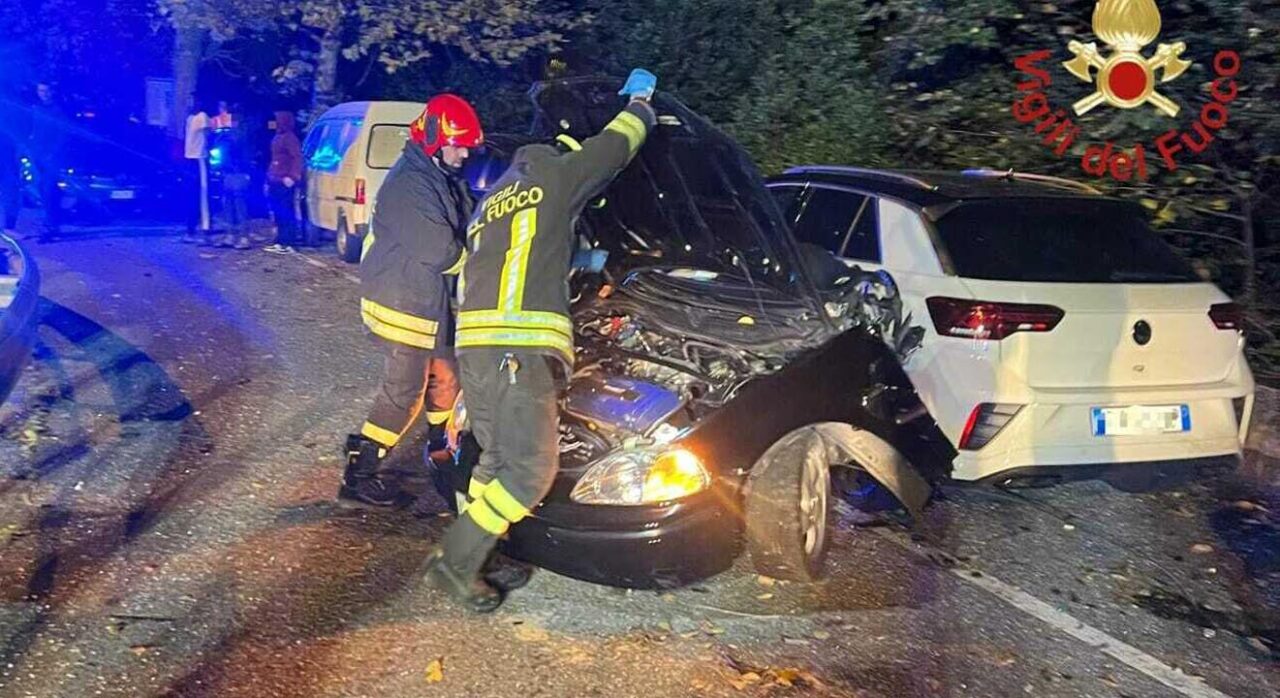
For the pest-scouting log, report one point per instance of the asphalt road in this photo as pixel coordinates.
(167, 527)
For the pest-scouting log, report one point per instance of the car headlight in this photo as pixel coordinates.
(456, 424)
(645, 476)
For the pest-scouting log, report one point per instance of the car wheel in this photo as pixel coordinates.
(787, 508)
(348, 244)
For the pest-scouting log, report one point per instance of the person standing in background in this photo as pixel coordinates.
(283, 174)
(46, 145)
(196, 152)
(230, 140)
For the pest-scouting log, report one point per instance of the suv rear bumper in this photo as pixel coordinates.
(1060, 436)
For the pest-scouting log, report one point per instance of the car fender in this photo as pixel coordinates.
(845, 443)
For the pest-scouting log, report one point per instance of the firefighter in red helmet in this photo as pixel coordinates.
(414, 244)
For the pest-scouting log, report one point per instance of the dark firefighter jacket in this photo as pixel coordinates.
(520, 239)
(414, 241)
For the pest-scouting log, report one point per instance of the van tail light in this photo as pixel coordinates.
(359, 191)
(956, 317)
(986, 420)
(1227, 316)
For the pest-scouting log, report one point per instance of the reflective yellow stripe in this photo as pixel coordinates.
(475, 488)
(383, 436)
(537, 319)
(457, 266)
(438, 417)
(630, 126)
(391, 316)
(366, 244)
(502, 502)
(570, 142)
(398, 334)
(486, 518)
(524, 225)
(516, 337)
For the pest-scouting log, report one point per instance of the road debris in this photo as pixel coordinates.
(1201, 549)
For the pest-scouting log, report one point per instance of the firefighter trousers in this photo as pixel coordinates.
(512, 406)
(413, 379)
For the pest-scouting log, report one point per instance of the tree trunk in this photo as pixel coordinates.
(324, 94)
(188, 44)
(1249, 295)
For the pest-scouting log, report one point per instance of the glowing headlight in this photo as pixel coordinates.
(456, 424)
(642, 477)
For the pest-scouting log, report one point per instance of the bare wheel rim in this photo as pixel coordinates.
(815, 487)
(342, 241)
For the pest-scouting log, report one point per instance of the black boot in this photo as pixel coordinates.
(361, 482)
(506, 574)
(454, 567)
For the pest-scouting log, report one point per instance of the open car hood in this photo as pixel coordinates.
(692, 197)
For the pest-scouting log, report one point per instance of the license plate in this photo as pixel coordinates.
(122, 194)
(1141, 420)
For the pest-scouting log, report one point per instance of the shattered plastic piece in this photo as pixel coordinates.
(1201, 549)
(435, 670)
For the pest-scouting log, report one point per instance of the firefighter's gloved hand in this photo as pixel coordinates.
(640, 84)
(590, 260)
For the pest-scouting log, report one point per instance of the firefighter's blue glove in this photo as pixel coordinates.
(640, 85)
(590, 260)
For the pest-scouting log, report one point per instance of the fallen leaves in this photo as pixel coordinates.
(435, 671)
(786, 677)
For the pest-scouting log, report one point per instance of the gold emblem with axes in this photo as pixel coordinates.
(1127, 79)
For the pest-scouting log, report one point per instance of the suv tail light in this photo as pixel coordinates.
(1227, 316)
(986, 420)
(359, 191)
(956, 317)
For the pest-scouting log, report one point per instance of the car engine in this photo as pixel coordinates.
(667, 345)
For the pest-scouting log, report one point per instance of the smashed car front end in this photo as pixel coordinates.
(702, 345)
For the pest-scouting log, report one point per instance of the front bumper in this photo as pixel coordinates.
(634, 547)
(637, 547)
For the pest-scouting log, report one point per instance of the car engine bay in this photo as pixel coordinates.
(666, 346)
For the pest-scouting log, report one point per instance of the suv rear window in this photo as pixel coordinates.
(1062, 240)
(386, 142)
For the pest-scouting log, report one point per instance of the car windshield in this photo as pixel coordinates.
(691, 197)
(1071, 240)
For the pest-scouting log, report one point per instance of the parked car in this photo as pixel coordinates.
(112, 168)
(347, 152)
(716, 387)
(19, 297)
(1060, 331)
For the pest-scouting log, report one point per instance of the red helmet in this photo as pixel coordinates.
(447, 120)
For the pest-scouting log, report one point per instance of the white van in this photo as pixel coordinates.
(348, 152)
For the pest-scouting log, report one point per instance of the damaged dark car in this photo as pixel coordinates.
(723, 373)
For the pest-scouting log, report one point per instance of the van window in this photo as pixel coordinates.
(385, 143)
(328, 141)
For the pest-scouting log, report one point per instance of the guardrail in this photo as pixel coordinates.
(19, 298)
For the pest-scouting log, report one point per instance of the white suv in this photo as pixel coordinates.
(1058, 329)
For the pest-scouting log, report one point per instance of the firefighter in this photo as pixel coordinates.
(415, 240)
(515, 335)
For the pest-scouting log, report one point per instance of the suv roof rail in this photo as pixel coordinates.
(865, 172)
(1060, 182)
